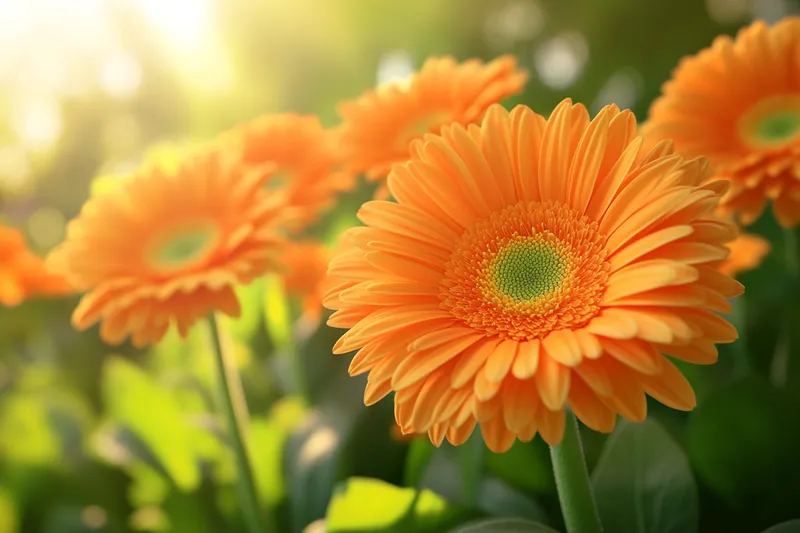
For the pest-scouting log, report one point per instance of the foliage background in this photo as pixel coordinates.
(94, 439)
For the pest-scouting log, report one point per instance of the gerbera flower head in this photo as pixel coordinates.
(377, 127)
(305, 266)
(738, 103)
(747, 252)
(23, 274)
(308, 166)
(168, 247)
(530, 265)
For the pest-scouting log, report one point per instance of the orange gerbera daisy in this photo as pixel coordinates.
(168, 247)
(22, 273)
(306, 264)
(377, 127)
(532, 264)
(308, 165)
(746, 253)
(738, 103)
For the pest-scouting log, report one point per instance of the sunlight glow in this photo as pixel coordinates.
(184, 22)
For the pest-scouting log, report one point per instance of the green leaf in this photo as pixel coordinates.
(742, 442)
(643, 482)
(370, 505)
(503, 525)
(154, 415)
(792, 526)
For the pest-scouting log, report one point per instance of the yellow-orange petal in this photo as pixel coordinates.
(530, 265)
(378, 127)
(146, 261)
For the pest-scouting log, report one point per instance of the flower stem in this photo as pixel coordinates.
(235, 411)
(572, 480)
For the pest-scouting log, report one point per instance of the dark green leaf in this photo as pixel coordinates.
(370, 505)
(503, 525)
(792, 526)
(743, 443)
(643, 482)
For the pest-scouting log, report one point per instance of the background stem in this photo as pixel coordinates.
(234, 408)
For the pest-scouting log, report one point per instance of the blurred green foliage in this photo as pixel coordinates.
(94, 440)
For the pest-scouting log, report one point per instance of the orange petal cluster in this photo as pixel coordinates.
(377, 127)
(305, 264)
(747, 252)
(738, 104)
(22, 273)
(308, 167)
(166, 248)
(530, 265)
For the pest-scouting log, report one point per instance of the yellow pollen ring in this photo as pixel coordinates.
(772, 122)
(183, 246)
(528, 268)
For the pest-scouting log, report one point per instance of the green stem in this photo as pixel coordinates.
(572, 480)
(235, 411)
(741, 361)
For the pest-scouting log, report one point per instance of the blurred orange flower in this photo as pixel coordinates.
(22, 273)
(305, 264)
(377, 127)
(747, 252)
(308, 165)
(738, 103)
(169, 247)
(531, 264)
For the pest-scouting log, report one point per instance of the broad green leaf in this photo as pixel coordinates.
(643, 482)
(792, 526)
(496, 498)
(8, 513)
(154, 415)
(371, 505)
(742, 442)
(503, 525)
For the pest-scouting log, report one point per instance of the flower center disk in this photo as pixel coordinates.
(527, 270)
(183, 246)
(772, 122)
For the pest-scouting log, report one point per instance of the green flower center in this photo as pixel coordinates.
(773, 121)
(184, 246)
(528, 269)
